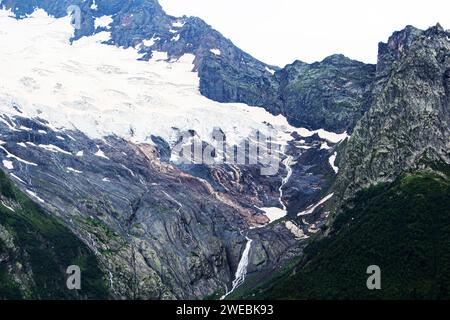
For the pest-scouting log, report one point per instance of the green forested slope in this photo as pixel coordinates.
(35, 251)
(404, 228)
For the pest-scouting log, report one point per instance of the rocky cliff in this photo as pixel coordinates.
(401, 227)
(164, 230)
(36, 250)
(332, 94)
(392, 188)
(407, 126)
(157, 231)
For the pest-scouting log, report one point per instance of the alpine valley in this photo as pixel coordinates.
(95, 100)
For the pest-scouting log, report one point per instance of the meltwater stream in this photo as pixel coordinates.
(277, 213)
(243, 263)
(288, 163)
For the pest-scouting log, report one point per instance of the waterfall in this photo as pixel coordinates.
(241, 271)
(276, 213)
(111, 280)
(288, 163)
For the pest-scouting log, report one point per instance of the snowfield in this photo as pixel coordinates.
(101, 90)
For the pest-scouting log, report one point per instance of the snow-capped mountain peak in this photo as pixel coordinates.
(105, 90)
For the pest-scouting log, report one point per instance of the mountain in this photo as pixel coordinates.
(36, 250)
(127, 134)
(408, 124)
(401, 227)
(332, 94)
(391, 202)
(144, 24)
(91, 119)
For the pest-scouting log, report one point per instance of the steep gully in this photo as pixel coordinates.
(241, 271)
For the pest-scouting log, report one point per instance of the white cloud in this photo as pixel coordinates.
(280, 31)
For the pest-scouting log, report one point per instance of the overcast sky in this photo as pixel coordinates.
(281, 31)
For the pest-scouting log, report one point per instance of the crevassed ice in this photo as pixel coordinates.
(101, 89)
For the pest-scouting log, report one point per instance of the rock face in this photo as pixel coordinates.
(225, 81)
(408, 123)
(166, 231)
(157, 231)
(36, 250)
(392, 188)
(331, 94)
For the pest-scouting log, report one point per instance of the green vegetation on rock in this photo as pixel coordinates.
(35, 251)
(404, 228)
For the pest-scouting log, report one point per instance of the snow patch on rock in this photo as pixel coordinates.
(313, 208)
(8, 164)
(271, 71)
(17, 178)
(150, 42)
(217, 52)
(103, 22)
(74, 170)
(101, 154)
(34, 195)
(332, 162)
(178, 24)
(53, 148)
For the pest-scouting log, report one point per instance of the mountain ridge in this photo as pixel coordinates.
(231, 76)
(409, 114)
(393, 176)
(164, 230)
